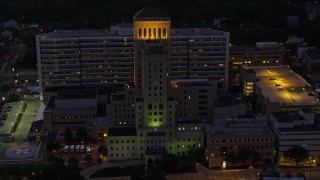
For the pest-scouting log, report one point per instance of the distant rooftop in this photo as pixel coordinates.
(280, 84)
(77, 94)
(239, 130)
(116, 31)
(151, 13)
(313, 54)
(122, 131)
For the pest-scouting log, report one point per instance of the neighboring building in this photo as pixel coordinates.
(10, 24)
(293, 128)
(7, 34)
(312, 9)
(263, 54)
(222, 141)
(277, 88)
(228, 107)
(293, 21)
(194, 99)
(103, 58)
(155, 132)
(312, 61)
(70, 108)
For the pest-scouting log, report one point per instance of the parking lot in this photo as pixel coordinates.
(19, 151)
(9, 115)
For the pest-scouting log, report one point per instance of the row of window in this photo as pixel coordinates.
(245, 147)
(122, 141)
(242, 140)
(71, 117)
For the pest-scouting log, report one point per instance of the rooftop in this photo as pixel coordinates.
(280, 84)
(122, 131)
(77, 94)
(239, 130)
(115, 32)
(36, 127)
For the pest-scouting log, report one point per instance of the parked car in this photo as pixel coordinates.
(66, 148)
(72, 148)
(1, 124)
(88, 149)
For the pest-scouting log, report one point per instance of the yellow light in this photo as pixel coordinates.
(105, 135)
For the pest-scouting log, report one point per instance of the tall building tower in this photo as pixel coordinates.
(154, 111)
(151, 40)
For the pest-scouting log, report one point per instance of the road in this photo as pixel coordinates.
(6, 75)
(252, 174)
(313, 171)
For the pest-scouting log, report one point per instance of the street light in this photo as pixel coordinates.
(309, 162)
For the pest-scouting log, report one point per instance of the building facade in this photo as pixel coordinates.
(104, 58)
(155, 130)
(263, 54)
(222, 142)
(296, 128)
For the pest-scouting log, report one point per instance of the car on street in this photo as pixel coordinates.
(1, 124)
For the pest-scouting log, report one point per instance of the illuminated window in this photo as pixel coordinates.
(140, 33)
(164, 32)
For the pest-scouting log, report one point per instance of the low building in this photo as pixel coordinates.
(293, 21)
(221, 142)
(70, 108)
(292, 128)
(228, 107)
(277, 88)
(262, 54)
(312, 61)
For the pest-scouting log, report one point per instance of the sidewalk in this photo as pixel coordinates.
(86, 173)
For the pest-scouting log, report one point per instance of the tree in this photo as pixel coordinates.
(170, 162)
(68, 135)
(297, 153)
(73, 162)
(81, 134)
(254, 156)
(5, 88)
(197, 155)
(30, 58)
(88, 158)
(154, 173)
(136, 173)
(13, 97)
(232, 157)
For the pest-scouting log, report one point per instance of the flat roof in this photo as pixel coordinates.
(114, 32)
(77, 94)
(240, 130)
(36, 126)
(280, 84)
(122, 131)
